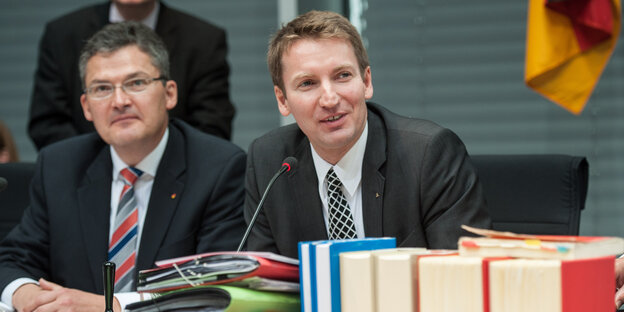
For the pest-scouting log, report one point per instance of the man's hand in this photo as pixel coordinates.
(619, 282)
(52, 297)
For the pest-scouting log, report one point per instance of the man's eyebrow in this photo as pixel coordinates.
(302, 76)
(343, 67)
(129, 76)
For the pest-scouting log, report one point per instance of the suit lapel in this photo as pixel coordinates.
(308, 206)
(94, 196)
(163, 202)
(373, 180)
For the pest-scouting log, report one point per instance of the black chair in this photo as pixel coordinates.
(14, 198)
(534, 194)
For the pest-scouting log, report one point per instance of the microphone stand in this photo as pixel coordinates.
(285, 167)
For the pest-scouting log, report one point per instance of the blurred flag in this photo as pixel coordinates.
(568, 45)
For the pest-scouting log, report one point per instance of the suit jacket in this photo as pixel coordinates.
(195, 206)
(418, 185)
(197, 54)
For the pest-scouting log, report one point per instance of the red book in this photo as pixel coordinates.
(552, 285)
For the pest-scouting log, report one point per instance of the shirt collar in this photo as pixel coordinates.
(148, 165)
(150, 21)
(349, 167)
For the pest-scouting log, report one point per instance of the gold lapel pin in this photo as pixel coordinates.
(173, 196)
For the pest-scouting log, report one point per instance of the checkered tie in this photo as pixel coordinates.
(341, 223)
(122, 247)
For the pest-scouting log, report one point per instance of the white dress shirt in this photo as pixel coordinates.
(349, 171)
(150, 21)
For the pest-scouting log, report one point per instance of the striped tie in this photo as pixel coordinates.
(122, 248)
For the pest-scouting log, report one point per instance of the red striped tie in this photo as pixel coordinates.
(122, 247)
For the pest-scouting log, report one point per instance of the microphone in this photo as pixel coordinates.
(3, 184)
(287, 165)
(108, 270)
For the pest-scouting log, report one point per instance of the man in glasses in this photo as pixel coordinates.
(197, 55)
(143, 188)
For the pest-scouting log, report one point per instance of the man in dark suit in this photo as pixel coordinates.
(141, 189)
(197, 51)
(362, 171)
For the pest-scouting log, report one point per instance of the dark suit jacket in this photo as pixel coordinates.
(63, 235)
(418, 185)
(197, 54)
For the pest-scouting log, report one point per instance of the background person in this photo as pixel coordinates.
(197, 51)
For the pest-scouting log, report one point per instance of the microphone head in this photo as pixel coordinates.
(4, 183)
(290, 162)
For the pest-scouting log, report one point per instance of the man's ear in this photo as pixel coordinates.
(368, 82)
(171, 92)
(282, 102)
(86, 110)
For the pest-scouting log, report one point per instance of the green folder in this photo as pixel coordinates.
(219, 298)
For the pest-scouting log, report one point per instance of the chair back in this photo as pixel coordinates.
(14, 198)
(534, 194)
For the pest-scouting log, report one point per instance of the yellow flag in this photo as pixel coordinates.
(568, 46)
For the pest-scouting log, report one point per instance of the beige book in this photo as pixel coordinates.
(450, 284)
(397, 283)
(358, 280)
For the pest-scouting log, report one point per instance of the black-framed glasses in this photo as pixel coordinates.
(103, 90)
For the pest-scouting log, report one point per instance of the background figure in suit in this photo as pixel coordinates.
(188, 197)
(197, 51)
(401, 177)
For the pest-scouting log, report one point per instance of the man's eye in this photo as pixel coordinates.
(101, 88)
(344, 75)
(137, 83)
(305, 83)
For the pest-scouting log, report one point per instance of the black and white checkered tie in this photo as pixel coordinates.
(341, 223)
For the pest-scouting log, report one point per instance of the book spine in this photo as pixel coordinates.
(313, 278)
(304, 277)
(587, 285)
(324, 282)
(357, 282)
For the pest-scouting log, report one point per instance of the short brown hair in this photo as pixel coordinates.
(313, 25)
(116, 36)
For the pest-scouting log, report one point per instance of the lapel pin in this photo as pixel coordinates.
(173, 196)
(377, 195)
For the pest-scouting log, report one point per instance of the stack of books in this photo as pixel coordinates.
(320, 270)
(498, 272)
(222, 281)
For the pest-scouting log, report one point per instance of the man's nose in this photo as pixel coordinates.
(329, 97)
(120, 97)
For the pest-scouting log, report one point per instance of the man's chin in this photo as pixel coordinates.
(124, 138)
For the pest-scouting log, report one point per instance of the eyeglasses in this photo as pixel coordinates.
(104, 90)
